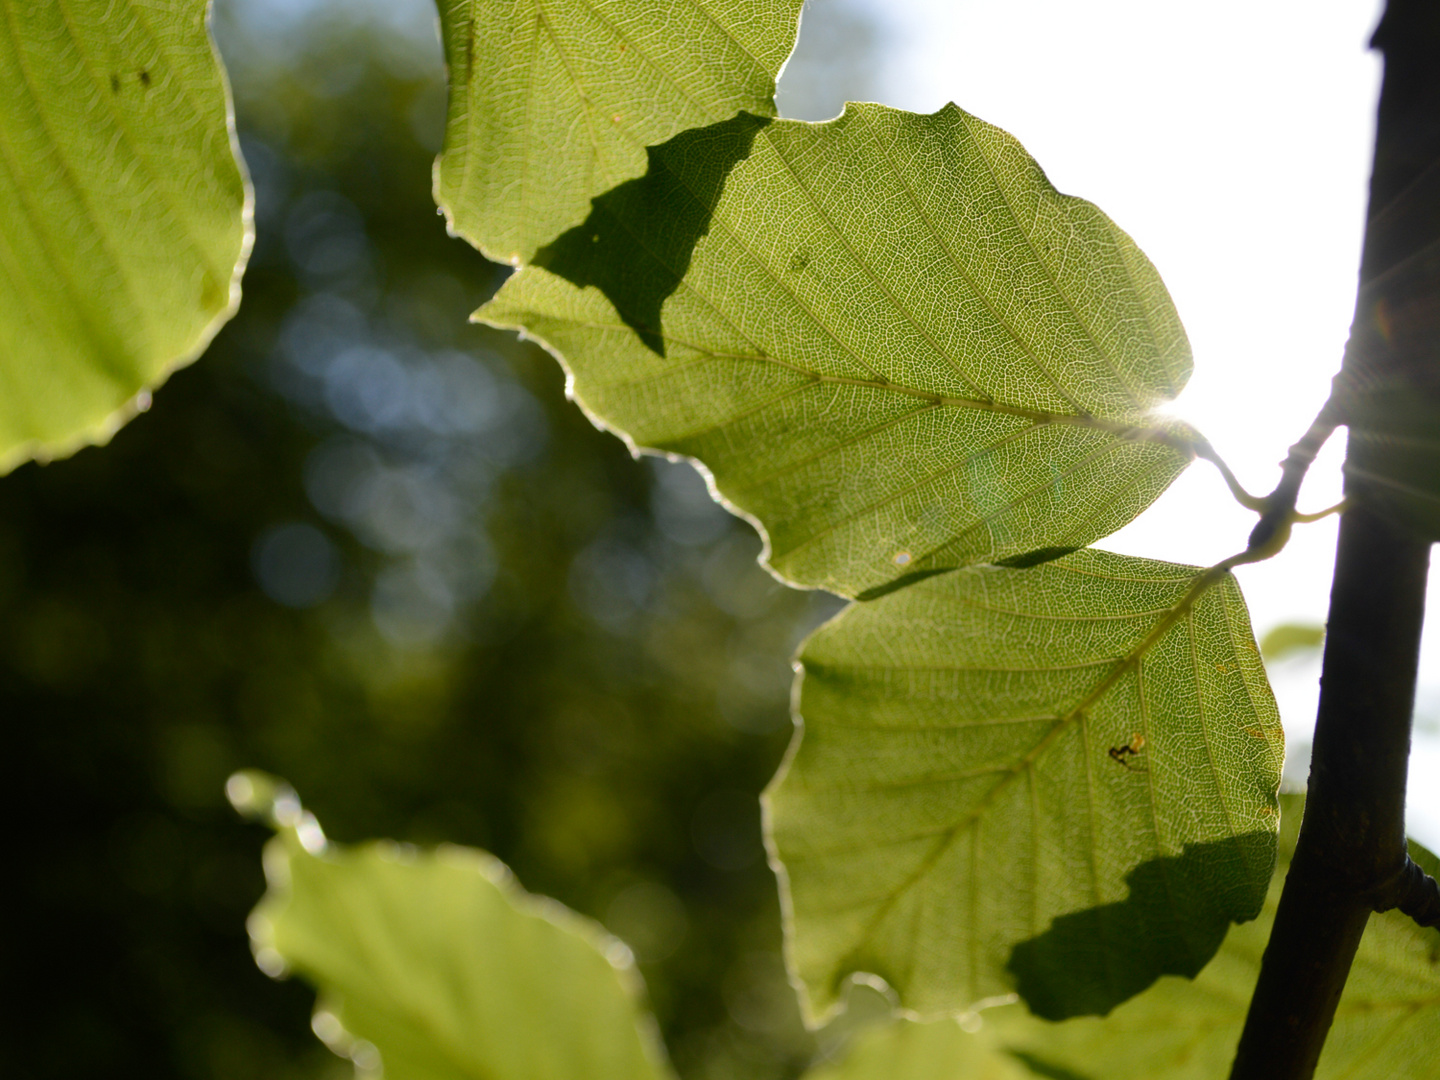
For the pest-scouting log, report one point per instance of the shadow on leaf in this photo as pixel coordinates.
(1041, 1067)
(636, 245)
(1172, 923)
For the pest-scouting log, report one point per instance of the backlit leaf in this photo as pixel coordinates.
(887, 336)
(124, 218)
(441, 967)
(909, 1051)
(554, 101)
(1058, 781)
(1385, 1026)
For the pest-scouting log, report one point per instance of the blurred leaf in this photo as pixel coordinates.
(124, 218)
(554, 101)
(1384, 1027)
(1288, 639)
(1059, 781)
(909, 1051)
(890, 339)
(439, 963)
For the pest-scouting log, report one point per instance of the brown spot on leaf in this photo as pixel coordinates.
(1119, 754)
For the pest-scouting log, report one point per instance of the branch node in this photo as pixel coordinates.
(1413, 892)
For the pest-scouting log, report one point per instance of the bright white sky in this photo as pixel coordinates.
(1232, 140)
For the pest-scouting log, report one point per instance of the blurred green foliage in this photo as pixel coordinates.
(371, 548)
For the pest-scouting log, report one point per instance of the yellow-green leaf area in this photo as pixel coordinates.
(941, 1050)
(442, 966)
(1385, 1026)
(1057, 781)
(554, 101)
(890, 340)
(124, 215)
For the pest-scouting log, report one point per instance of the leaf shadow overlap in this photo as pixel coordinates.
(636, 245)
(1084, 965)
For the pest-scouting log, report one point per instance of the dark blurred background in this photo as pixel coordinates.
(369, 547)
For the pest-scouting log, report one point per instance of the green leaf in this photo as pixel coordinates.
(124, 217)
(1384, 1027)
(440, 963)
(1291, 639)
(910, 1051)
(554, 101)
(892, 342)
(1058, 781)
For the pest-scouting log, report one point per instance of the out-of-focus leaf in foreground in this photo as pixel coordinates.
(554, 101)
(1385, 1025)
(940, 1050)
(124, 216)
(437, 965)
(1058, 781)
(892, 342)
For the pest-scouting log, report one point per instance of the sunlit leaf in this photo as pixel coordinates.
(909, 1051)
(124, 218)
(438, 966)
(892, 342)
(1058, 781)
(554, 101)
(1385, 1026)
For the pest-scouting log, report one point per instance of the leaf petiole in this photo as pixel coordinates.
(1306, 519)
(1202, 449)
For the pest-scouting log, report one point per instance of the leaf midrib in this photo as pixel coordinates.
(1132, 432)
(1201, 584)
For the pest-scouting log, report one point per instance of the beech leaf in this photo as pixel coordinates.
(124, 215)
(436, 965)
(890, 340)
(554, 101)
(1057, 781)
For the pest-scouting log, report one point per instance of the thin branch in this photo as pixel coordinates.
(1277, 510)
(1202, 449)
(1413, 892)
(1350, 858)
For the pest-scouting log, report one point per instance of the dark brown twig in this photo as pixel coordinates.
(1350, 857)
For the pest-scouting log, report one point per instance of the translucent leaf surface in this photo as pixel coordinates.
(891, 341)
(554, 101)
(1385, 1027)
(124, 218)
(934, 1051)
(1058, 781)
(442, 966)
